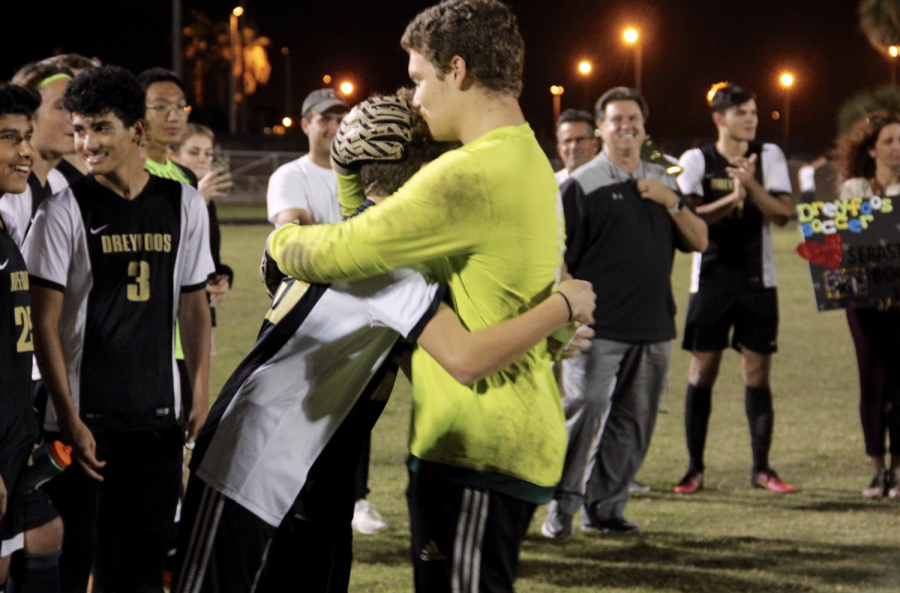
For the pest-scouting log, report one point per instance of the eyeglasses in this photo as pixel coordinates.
(165, 108)
(574, 141)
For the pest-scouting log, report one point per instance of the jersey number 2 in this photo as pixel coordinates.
(23, 320)
(139, 290)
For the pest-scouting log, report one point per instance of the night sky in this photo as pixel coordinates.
(687, 45)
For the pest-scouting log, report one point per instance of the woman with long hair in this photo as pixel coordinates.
(868, 157)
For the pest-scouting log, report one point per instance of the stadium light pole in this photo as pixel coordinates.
(557, 92)
(631, 38)
(584, 69)
(176, 38)
(787, 81)
(286, 52)
(232, 79)
(893, 52)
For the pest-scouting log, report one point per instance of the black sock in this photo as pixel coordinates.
(34, 573)
(697, 407)
(760, 416)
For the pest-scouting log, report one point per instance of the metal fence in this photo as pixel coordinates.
(250, 170)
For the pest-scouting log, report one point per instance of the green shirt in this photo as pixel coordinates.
(170, 171)
(486, 220)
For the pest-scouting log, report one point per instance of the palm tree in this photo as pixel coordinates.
(880, 21)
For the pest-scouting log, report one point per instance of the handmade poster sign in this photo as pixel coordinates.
(853, 250)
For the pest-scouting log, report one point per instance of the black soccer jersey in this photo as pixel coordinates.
(740, 254)
(122, 265)
(18, 425)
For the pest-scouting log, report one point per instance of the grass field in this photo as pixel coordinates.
(726, 538)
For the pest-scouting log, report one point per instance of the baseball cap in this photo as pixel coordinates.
(321, 101)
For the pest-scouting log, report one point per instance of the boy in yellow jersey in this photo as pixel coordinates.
(485, 220)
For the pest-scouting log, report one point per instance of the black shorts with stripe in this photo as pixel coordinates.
(224, 548)
(464, 539)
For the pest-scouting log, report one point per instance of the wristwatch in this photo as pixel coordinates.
(676, 208)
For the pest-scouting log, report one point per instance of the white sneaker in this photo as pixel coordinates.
(366, 519)
(558, 525)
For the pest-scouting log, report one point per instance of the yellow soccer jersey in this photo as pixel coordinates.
(485, 218)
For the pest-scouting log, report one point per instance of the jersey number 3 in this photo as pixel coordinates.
(139, 290)
(23, 320)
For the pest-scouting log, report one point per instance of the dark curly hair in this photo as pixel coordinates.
(385, 178)
(104, 89)
(484, 33)
(18, 100)
(851, 156)
(31, 75)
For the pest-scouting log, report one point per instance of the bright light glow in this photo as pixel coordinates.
(787, 79)
(584, 67)
(347, 88)
(288, 122)
(630, 35)
(238, 11)
(776, 116)
(326, 79)
(894, 51)
(556, 90)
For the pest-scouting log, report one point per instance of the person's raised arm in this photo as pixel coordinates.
(470, 356)
(46, 307)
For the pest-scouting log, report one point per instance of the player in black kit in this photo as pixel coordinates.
(742, 187)
(113, 260)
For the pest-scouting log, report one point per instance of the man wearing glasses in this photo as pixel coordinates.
(576, 141)
(166, 116)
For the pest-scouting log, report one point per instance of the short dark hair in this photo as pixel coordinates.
(31, 75)
(73, 61)
(18, 100)
(154, 75)
(484, 33)
(385, 178)
(729, 95)
(108, 88)
(571, 116)
(621, 93)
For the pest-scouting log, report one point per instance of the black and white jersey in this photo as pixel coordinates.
(311, 388)
(17, 421)
(122, 265)
(18, 210)
(740, 254)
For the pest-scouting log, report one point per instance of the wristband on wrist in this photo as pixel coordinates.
(568, 305)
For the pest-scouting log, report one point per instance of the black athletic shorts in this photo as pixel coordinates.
(12, 469)
(464, 539)
(225, 548)
(713, 313)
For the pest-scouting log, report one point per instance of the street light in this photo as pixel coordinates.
(287, 122)
(787, 80)
(347, 87)
(584, 68)
(556, 91)
(631, 38)
(893, 52)
(286, 52)
(237, 69)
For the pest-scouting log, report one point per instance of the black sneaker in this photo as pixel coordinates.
(616, 526)
(878, 487)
